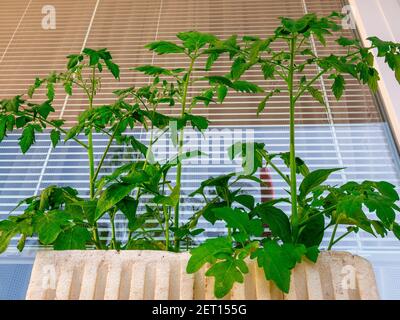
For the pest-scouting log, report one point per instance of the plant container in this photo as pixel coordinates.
(148, 275)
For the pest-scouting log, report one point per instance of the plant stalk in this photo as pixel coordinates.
(91, 159)
(166, 215)
(293, 182)
(180, 150)
(332, 240)
(113, 235)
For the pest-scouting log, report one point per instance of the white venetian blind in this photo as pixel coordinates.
(352, 134)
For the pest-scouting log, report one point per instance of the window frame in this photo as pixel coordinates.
(374, 17)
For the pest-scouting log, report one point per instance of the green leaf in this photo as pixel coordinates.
(75, 238)
(198, 122)
(314, 179)
(8, 229)
(73, 60)
(128, 207)
(21, 243)
(384, 211)
(239, 220)
(207, 252)
(395, 229)
(276, 263)
(313, 232)
(119, 171)
(68, 87)
(44, 109)
(89, 210)
(251, 153)
(27, 138)
(312, 253)
(138, 146)
(219, 80)
(245, 200)
(382, 46)
(50, 225)
(93, 55)
(165, 47)
(207, 212)
(338, 86)
(3, 127)
(226, 273)
(171, 200)
(213, 56)
(349, 211)
(55, 137)
(152, 70)
(263, 102)
(346, 42)
(206, 97)
(184, 156)
(135, 177)
(20, 121)
(268, 70)
(220, 181)
(397, 67)
(221, 93)
(301, 166)
(33, 87)
(194, 40)
(277, 221)
(373, 79)
(50, 91)
(289, 24)
(379, 227)
(319, 34)
(239, 66)
(245, 86)
(111, 196)
(113, 68)
(388, 190)
(316, 94)
(295, 252)
(12, 105)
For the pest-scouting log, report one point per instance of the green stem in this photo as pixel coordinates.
(341, 237)
(228, 204)
(138, 194)
(91, 157)
(315, 216)
(110, 141)
(300, 44)
(91, 164)
(166, 215)
(180, 150)
(302, 90)
(277, 170)
(293, 182)
(113, 235)
(197, 215)
(331, 242)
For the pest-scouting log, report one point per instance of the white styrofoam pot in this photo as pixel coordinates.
(143, 274)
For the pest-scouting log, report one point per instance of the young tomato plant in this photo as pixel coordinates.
(58, 215)
(196, 47)
(316, 208)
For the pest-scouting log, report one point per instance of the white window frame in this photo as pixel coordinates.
(380, 18)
